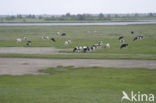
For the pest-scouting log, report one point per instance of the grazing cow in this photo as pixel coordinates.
(25, 38)
(28, 43)
(92, 48)
(67, 42)
(123, 46)
(75, 49)
(107, 45)
(86, 48)
(18, 40)
(53, 39)
(78, 48)
(100, 43)
(135, 38)
(95, 46)
(121, 37)
(132, 32)
(138, 38)
(63, 34)
(122, 41)
(58, 33)
(45, 37)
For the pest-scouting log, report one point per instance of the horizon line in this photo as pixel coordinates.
(77, 13)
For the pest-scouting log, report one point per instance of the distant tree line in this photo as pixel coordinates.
(101, 16)
(77, 17)
(80, 17)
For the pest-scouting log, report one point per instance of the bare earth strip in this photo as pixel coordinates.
(31, 50)
(47, 50)
(20, 66)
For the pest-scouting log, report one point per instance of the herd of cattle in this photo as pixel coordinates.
(82, 48)
(25, 38)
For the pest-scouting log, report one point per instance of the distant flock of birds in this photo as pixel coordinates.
(82, 48)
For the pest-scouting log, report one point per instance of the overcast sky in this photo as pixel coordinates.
(76, 6)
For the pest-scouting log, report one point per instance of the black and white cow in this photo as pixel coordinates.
(123, 46)
(25, 38)
(132, 32)
(85, 49)
(63, 34)
(78, 49)
(122, 41)
(67, 42)
(53, 39)
(138, 38)
(28, 43)
(121, 37)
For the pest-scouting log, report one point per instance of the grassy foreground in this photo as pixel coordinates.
(77, 85)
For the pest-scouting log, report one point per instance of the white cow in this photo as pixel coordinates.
(25, 38)
(58, 33)
(45, 37)
(67, 42)
(18, 40)
(107, 45)
(122, 41)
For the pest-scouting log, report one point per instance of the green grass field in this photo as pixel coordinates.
(82, 56)
(77, 85)
(85, 36)
(82, 84)
(80, 37)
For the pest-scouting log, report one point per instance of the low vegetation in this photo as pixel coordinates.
(77, 85)
(83, 56)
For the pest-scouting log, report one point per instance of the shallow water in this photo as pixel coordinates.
(76, 24)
